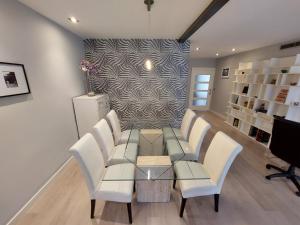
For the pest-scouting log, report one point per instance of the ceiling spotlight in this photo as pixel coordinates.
(217, 54)
(72, 19)
(233, 50)
(197, 49)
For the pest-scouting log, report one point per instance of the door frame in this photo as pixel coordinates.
(196, 71)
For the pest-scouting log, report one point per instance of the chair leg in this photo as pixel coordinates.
(269, 166)
(93, 204)
(289, 174)
(216, 197)
(174, 183)
(294, 180)
(183, 202)
(129, 212)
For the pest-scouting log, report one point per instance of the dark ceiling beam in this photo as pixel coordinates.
(210, 10)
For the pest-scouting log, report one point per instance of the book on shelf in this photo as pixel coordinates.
(282, 95)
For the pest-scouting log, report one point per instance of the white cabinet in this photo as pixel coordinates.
(89, 110)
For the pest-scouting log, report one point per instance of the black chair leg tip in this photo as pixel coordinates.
(268, 177)
(268, 166)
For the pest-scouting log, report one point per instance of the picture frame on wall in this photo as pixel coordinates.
(225, 73)
(13, 80)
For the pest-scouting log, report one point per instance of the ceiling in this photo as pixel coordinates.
(240, 24)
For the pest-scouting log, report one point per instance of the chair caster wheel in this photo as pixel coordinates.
(268, 177)
(268, 166)
(298, 193)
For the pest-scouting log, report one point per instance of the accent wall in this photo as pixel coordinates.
(140, 97)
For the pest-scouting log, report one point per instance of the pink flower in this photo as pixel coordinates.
(85, 66)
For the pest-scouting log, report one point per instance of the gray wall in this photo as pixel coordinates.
(203, 62)
(36, 129)
(140, 97)
(222, 87)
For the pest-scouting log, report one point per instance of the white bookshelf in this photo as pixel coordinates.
(258, 84)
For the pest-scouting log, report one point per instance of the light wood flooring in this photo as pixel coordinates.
(247, 198)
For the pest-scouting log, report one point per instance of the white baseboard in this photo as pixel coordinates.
(218, 114)
(27, 204)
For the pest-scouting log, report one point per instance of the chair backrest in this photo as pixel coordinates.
(197, 135)
(86, 151)
(115, 125)
(104, 138)
(284, 140)
(219, 157)
(186, 123)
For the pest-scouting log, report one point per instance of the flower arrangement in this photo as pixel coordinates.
(88, 67)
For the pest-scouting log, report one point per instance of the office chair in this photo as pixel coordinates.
(285, 145)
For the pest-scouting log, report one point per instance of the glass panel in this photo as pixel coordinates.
(200, 94)
(202, 78)
(155, 165)
(200, 102)
(201, 86)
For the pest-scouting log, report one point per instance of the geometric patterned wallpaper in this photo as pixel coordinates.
(145, 99)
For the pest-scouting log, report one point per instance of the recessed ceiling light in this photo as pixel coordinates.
(233, 49)
(197, 49)
(72, 19)
(217, 54)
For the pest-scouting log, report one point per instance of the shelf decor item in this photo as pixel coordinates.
(225, 73)
(87, 67)
(281, 97)
(13, 80)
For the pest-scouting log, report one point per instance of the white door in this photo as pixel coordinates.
(202, 81)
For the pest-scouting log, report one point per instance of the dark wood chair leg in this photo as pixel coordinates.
(93, 204)
(183, 202)
(129, 212)
(216, 196)
(174, 183)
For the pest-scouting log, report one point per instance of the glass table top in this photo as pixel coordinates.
(153, 160)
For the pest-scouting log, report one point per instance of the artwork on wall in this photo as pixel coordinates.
(225, 73)
(13, 80)
(141, 97)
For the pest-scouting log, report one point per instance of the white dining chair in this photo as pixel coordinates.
(121, 137)
(86, 151)
(122, 153)
(183, 132)
(183, 150)
(220, 155)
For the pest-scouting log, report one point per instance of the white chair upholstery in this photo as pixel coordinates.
(183, 132)
(86, 151)
(218, 159)
(121, 137)
(190, 150)
(123, 153)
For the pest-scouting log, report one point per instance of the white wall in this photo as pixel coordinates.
(36, 129)
(222, 87)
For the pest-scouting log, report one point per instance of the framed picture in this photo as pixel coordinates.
(13, 80)
(225, 73)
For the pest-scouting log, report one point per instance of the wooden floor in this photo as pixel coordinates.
(246, 198)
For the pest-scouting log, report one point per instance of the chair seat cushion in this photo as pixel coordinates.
(117, 190)
(192, 179)
(169, 134)
(123, 154)
(179, 150)
(134, 136)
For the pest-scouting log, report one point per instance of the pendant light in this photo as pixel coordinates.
(148, 62)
